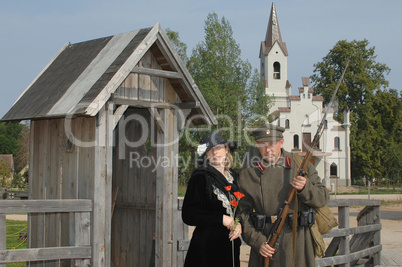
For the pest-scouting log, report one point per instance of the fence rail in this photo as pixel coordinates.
(81, 250)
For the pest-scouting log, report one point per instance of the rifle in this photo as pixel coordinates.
(301, 171)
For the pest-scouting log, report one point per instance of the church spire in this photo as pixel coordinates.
(273, 33)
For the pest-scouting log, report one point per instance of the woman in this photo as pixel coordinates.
(207, 206)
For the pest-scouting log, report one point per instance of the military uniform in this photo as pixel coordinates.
(265, 188)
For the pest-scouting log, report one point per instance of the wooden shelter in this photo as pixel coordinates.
(106, 115)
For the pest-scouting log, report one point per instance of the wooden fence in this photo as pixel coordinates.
(359, 245)
(81, 250)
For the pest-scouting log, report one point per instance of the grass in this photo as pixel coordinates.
(13, 233)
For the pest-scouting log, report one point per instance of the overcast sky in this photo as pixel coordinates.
(32, 32)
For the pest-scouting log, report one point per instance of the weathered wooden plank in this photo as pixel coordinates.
(344, 248)
(353, 230)
(3, 235)
(49, 205)
(83, 234)
(155, 81)
(99, 214)
(345, 259)
(44, 254)
(118, 114)
(158, 73)
(136, 206)
(139, 103)
(156, 116)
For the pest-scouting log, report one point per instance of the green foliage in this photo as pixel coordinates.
(13, 242)
(9, 135)
(5, 172)
(180, 47)
(375, 111)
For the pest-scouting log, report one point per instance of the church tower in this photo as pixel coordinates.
(273, 63)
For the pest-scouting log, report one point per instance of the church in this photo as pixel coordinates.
(301, 114)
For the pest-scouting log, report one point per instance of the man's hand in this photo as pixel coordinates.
(266, 250)
(298, 182)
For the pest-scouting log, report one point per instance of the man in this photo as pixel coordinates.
(265, 184)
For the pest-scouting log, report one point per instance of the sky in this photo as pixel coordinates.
(33, 32)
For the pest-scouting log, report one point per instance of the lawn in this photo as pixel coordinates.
(14, 228)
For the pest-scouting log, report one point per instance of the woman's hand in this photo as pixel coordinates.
(228, 222)
(235, 233)
(266, 250)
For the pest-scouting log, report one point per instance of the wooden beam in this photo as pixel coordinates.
(40, 254)
(118, 114)
(124, 103)
(49, 205)
(159, 122)
(188, 105)
(139, 103)
(158, 73)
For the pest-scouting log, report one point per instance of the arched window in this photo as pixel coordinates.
(333, 170)
(296, 141)
(277, 70)
(325, 124)
(287, 124)
(337, 143)
(306, 120)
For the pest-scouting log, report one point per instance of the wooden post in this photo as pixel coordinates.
(3, 233)
(99, 227)
(377, 236)
(344, 248)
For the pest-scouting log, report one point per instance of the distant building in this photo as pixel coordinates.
(302, 114)
(8, 158)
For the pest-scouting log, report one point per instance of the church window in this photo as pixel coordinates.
(277, 70)
(337, 144)
(309, 96)
(333, 170)
(287, 124)
(306, 120)
(295, 141)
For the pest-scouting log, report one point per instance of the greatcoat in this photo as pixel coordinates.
(265, 191)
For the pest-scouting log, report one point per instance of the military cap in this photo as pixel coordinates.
(268, 132)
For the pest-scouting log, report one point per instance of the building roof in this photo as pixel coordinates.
(284, 109)
(273, 34)
(305, 81)
(82, 77)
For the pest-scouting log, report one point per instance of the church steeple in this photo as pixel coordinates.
(273, 63)
(273, 33)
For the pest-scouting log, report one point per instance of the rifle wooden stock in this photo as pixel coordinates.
(280, 222)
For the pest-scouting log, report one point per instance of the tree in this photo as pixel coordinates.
(5, 173)
(9, 136)
(22, 155)
(226, 80)
(364, 86)
(180, 47)
(233, 92)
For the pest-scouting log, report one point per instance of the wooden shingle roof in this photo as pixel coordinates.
(82, 77)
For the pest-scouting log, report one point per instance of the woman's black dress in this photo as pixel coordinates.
(204, 206)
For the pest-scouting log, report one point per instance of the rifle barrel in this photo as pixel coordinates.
(279, 223)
